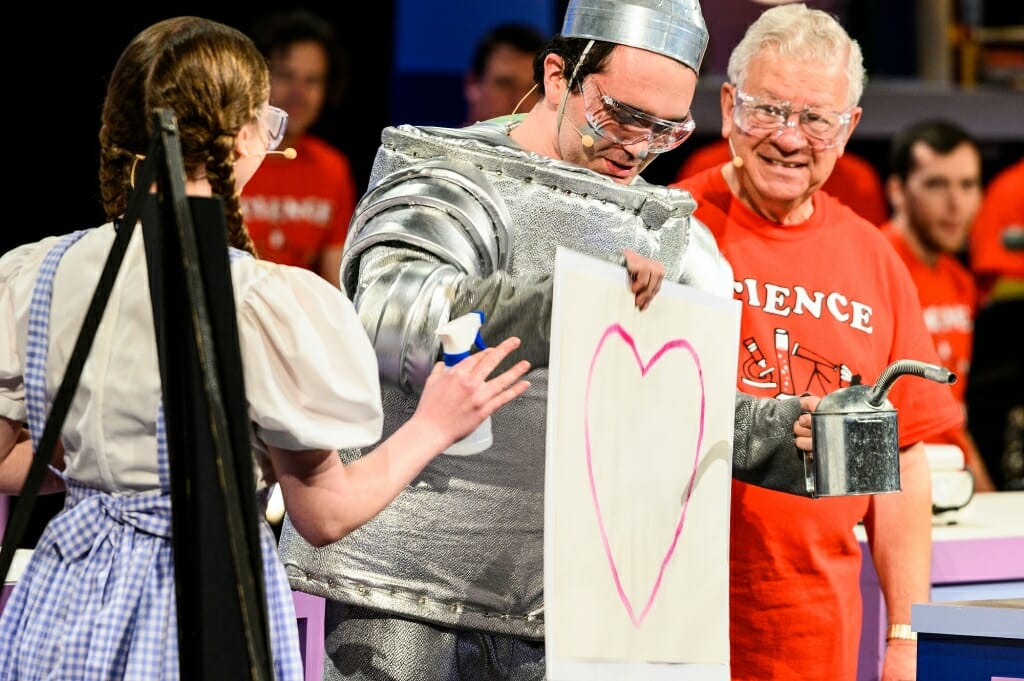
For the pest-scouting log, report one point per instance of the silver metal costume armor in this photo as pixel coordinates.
(462, 546)
(464, 219)
(449, 216)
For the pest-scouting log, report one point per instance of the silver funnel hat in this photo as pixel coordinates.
(674, 28)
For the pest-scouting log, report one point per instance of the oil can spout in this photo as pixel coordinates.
(876, 397)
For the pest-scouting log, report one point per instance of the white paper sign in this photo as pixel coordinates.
(638, 470)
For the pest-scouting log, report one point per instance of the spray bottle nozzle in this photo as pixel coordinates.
(459, 335)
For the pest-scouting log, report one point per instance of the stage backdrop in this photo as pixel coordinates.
(639, 443)
(434, 42)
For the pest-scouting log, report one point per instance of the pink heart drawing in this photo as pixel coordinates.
(677, 344)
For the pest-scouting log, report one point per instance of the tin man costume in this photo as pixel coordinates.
(447, 581)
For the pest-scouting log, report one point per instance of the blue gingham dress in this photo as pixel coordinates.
(97, 599)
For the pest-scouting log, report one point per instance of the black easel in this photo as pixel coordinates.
(221, 604)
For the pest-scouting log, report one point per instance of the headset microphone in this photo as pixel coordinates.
(737, 162)
(288, 153)
(586, 140)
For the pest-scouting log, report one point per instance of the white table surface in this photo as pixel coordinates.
(989, 515)
(996, 618)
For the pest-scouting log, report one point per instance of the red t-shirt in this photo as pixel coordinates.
(854, 181)
(1002, 208)
(948, 298)
(825, 302)
(294, 209)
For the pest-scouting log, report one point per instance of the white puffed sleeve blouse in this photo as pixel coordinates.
(310, 373)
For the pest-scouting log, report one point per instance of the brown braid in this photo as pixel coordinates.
(220, 173)
(213, 79)
(124, 129)
(216, 82)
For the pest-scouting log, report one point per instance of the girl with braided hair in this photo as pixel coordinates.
(97, 600)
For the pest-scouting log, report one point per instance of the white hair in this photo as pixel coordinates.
(810, 35)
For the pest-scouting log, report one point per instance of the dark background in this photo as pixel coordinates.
(60, 69)
(54, 113)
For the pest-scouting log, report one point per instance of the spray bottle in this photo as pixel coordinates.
(458, 336)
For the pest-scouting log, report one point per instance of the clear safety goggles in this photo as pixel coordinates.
(622, 124)
(276, 121)
(763, 117)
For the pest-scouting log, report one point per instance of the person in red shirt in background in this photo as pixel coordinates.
(298, 207)
(997, 239)
(934, 186)
(854, 180)
(826, 303)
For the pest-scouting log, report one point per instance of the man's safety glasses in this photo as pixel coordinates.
(622, 124)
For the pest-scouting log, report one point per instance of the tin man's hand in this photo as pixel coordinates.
(645, 277)
(802, 428)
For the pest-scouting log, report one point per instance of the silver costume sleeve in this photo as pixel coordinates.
(516, 306)
(413, 238)
(764, 450)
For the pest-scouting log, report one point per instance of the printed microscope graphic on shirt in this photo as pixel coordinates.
(824, 373)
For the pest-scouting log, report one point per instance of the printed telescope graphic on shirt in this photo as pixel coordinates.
(825, 375)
